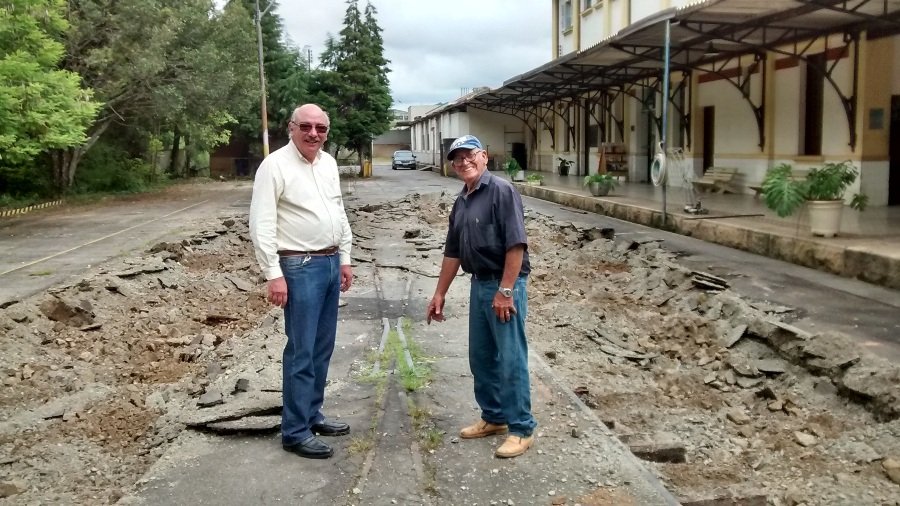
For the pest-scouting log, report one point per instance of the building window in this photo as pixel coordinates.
(565, 15)
(586, 4)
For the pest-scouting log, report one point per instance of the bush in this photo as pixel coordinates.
(107, 168)
(26, 184)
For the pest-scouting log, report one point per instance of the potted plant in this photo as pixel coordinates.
(534, 179)
(513, 170)
(822, 189)
(564, 166)
(599, 184)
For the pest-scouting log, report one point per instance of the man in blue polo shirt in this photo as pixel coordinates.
(487, 238)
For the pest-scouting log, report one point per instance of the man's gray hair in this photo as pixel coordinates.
(297, 111)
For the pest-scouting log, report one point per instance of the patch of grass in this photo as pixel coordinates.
(415, 377)
(431, 439)
(360, 444)
(429, 436)
(41, 273)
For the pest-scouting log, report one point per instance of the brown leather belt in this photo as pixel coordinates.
(318, 253)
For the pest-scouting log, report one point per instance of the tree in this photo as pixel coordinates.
(156, 65)
(358, 86)
(209, 78)
(286, 72)
(41, 107)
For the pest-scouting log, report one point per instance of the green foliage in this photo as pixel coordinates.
(159, 65)
(109, 169)
(534, 177)
(603, 179)
(287, 73)
(355, 89)
(785, 192)
(26, 184)
(511, 167)
(41, 107)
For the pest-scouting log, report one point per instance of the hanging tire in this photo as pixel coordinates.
(658, 171)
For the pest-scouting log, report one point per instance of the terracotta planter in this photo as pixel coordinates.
(825, 217)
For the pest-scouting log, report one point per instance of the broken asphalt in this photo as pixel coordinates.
(404, 446)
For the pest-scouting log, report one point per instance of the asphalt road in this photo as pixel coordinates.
(53, 246)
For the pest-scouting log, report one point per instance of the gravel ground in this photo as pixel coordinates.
(94, 374)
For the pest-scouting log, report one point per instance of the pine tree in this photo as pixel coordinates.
(356, 90)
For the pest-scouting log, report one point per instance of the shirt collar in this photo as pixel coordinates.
(300, 155)
(484, 180)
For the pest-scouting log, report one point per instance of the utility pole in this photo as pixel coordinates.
(307, 52)
(262, 79)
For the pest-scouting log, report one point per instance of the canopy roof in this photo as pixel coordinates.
(703, 33)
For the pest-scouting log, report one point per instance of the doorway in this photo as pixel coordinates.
(894, 154)
(709, 137)
(520, 154)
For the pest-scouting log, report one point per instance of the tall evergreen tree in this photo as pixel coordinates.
(357, 85)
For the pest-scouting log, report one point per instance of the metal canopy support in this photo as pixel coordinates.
(665, 108)
(849, 102)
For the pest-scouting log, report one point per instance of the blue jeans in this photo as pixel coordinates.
(310, 322)
(498, 358)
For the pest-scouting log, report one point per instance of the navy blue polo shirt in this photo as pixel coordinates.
(484, 225)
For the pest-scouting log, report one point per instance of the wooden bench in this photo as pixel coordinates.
(757, 188)
(716, 179)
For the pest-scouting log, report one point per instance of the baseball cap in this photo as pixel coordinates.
(464, 142)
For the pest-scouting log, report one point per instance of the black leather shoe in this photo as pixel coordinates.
(310, 448)
(326, 428)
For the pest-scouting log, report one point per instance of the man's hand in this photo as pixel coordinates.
(276, 291)
(346, 277)
(503, 307)
(435, 309)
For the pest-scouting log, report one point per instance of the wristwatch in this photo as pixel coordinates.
(506, 292)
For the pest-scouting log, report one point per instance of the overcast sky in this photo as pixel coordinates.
(437, 48)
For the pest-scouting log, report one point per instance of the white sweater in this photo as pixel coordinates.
(297, 206)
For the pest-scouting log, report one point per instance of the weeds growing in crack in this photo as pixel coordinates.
(429, 436)
(360, 444)
(415, 377)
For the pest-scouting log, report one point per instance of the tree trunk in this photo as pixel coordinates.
(173, 157)
(186, 171)
(65, 161)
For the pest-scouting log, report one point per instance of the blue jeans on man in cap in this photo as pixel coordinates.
(310, 322)
(498, 358)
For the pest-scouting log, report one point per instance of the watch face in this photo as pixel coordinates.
(506, 291)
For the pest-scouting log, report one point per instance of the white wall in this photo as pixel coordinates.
(619, 15)
(592, 27)
(789, 105)
(835, 129)
(640, 9)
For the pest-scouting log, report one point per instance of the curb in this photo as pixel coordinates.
(26, 209)
(808, 252)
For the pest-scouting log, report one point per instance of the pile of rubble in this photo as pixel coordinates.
(90, 370)
(717, 392)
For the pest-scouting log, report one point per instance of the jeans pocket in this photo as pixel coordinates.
(294, 264)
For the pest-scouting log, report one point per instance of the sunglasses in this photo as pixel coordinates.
(306, 127)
